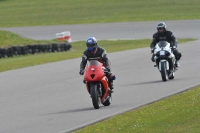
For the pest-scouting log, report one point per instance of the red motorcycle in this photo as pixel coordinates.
(97, 83)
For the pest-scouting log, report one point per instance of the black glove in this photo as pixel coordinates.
(152, 58)
(107, 69)
(174, 48)
(81, 72)
(152, 50)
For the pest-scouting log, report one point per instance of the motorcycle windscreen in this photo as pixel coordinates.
(162, 44)
(93, 63)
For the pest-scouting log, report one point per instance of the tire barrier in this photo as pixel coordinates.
(34, 49)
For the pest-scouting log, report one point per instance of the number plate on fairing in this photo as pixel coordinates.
(162, 52)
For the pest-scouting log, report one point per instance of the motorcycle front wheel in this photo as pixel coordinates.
(96, 99)
(163, 71)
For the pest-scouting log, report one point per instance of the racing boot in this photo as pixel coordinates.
(111, 86)
(177, 64)
(152, 58)
(111, 77)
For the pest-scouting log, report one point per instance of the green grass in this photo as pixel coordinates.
(8, 39)
(176, 114)
(55, 12)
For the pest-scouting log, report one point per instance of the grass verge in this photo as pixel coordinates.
(8, 39)
(56, 12)
(176, 114)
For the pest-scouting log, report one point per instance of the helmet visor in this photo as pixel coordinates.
(89, 45)
(161, 29)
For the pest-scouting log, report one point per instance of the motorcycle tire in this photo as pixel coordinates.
(96, 100)
(163, 71)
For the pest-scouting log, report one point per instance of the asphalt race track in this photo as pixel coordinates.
(52, 98)
(126, 30)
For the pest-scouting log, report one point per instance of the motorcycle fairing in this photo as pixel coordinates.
(94, 74)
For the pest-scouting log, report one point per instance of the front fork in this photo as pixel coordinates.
(170, 64)
(103, 94)
(99, 87)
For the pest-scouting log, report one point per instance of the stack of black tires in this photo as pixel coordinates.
(33, 49)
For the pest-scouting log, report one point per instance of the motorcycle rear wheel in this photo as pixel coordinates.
(96, 99)
(108, 101)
